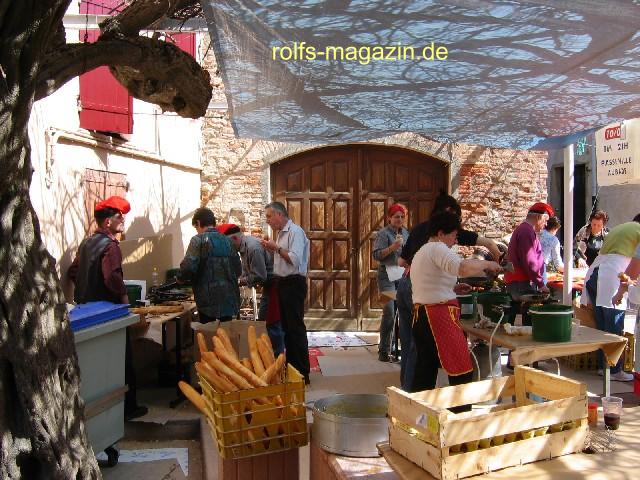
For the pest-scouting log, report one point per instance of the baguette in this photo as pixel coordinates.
(271, 374)
(256, 361)
(224, 336)
(266, 355)
(157, 309)
(239, 368)
(219, 346)
(267, 342)
(247, 363)
(220, 384)
(209, 357)
(193, 396)
(234, 377)
(202, 343)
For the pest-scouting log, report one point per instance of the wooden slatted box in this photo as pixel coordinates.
(548, 419)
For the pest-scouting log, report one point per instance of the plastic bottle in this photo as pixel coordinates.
(155, 277)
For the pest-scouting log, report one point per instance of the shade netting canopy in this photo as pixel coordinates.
(515, 72)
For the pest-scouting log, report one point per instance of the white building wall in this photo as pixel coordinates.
(621, 202)
(161, 161)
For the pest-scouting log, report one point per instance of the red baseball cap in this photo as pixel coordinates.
(542, 208)
(115, 202)
(228, 228)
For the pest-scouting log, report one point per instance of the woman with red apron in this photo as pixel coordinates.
(437, 333)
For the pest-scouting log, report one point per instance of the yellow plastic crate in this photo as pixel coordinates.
(629, 352)
(582, 361)
(260, 420)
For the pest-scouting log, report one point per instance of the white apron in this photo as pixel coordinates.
(610, 265)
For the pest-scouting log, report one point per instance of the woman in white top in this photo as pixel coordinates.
(437, 333)
(551, 248)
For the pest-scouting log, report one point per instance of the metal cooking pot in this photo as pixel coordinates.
(351, 425)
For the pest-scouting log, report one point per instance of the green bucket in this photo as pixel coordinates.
(490, 300)
(468, 306)
(551, 322)
(133, 292)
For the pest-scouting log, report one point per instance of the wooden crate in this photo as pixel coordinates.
(450, 445)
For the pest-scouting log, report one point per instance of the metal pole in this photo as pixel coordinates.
(568, 224)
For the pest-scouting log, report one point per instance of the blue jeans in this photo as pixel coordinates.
(386, 327)
(276, 335)
(409, 355)
(607, 319)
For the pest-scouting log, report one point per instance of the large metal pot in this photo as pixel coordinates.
(351, 425)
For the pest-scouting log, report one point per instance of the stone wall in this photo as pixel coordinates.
(494, 186)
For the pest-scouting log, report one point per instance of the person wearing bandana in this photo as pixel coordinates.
(386, 251)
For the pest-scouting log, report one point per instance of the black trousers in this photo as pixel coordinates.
(426, 372)
(292, 292)
(130, 397)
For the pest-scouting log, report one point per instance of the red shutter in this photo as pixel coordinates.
(185, 41)
(105, 105)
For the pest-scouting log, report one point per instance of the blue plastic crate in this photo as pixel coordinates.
(94, 313)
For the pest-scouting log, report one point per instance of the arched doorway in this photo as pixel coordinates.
(339, 195)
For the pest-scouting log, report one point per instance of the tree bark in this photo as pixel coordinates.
(41, 412)
(42, 432)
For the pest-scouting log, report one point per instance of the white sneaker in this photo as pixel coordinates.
(622, 376)
(600, 372)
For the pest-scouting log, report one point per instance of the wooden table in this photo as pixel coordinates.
(178, 318)
(525, 350)
(618, 465)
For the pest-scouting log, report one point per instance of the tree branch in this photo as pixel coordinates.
(141, 14)
(152, 70)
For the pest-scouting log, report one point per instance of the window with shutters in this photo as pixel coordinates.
(100, 185)
(105, 105)
(185, 41)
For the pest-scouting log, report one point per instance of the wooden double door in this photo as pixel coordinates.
(340, 196)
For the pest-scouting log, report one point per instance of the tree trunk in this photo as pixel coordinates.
(42, 433)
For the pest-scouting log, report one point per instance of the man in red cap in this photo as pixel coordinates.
(97, 274)
(525, 253)
(97, 268)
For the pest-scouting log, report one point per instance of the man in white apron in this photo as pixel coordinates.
(602, 283)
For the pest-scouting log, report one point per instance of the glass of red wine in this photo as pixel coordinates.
(612, 409)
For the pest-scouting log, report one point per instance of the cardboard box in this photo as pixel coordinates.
(584, 316)
(271, 466)
(451, 446)
(237, 330)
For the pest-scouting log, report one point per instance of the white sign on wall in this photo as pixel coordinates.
(617, 149)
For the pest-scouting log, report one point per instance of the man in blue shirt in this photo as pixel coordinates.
(290, 263)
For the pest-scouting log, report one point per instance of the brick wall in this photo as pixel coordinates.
(494, 186)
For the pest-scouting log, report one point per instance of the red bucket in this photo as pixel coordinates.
(636, 383)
